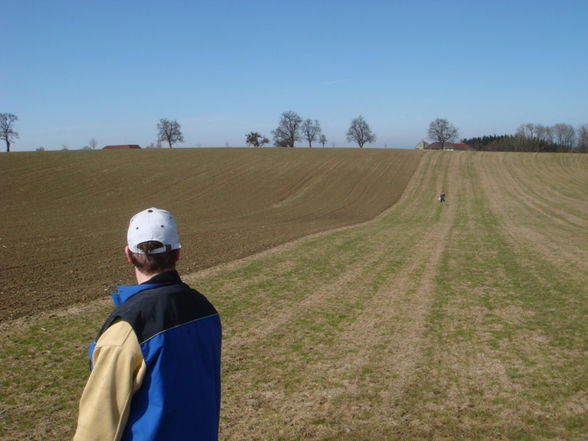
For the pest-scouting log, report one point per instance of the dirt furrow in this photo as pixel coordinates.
(223, 198)
(542, 232)
(524, 192)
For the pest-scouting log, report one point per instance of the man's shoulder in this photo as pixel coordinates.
(169, 296)
(116, 334)
(167, 306)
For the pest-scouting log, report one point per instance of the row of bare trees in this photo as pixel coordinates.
(168, 131)
(293, 128)
(561, 135)
(536, 138)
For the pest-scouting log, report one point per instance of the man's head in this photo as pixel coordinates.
(153, 242)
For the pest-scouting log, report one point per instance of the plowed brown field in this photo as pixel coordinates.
(64, 214)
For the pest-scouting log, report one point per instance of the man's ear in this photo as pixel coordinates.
(128, 254)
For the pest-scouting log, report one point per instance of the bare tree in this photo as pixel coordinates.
(526, 136)
(288, 131)
(169, 131)
(564, 134)
(527, 131)
(323, 140)
(535, 137)
(441, 131)
(255, 139)
(360, 132)
(544, 133)
(583, 138)
(93, 143)
(535, 131)
(311, 130)
(7, 132)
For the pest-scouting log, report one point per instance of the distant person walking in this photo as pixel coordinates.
(442, 197)
(155, 367)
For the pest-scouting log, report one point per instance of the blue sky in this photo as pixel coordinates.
(73, 70)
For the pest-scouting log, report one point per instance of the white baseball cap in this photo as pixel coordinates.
(153, 224)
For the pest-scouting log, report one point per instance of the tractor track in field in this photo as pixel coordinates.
(525, 193)
(386, 293)
(387, 337)
(546, 226)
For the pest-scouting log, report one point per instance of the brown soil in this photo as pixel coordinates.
(65, 214)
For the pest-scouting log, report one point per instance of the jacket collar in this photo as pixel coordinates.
(124, 293)
(167, 277)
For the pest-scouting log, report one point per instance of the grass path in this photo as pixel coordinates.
(431, 322)
(294, 359)
(506, 348)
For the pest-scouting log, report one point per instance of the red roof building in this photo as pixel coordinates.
(121, 147)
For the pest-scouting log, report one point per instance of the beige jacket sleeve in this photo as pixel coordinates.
(118, 371)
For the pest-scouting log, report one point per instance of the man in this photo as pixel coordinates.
(156, 361)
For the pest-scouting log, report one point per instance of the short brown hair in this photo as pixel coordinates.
(154, 263)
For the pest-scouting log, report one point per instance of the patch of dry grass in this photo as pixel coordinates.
(506, 357)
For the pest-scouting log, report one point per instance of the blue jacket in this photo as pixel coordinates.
(179, 332)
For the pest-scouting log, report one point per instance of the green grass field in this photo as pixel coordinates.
(461, 321)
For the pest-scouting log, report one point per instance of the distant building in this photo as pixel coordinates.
(449, 146)
(121, 147)
(421, 145)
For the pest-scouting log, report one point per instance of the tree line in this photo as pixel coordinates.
(292, 128)
(531, 137)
